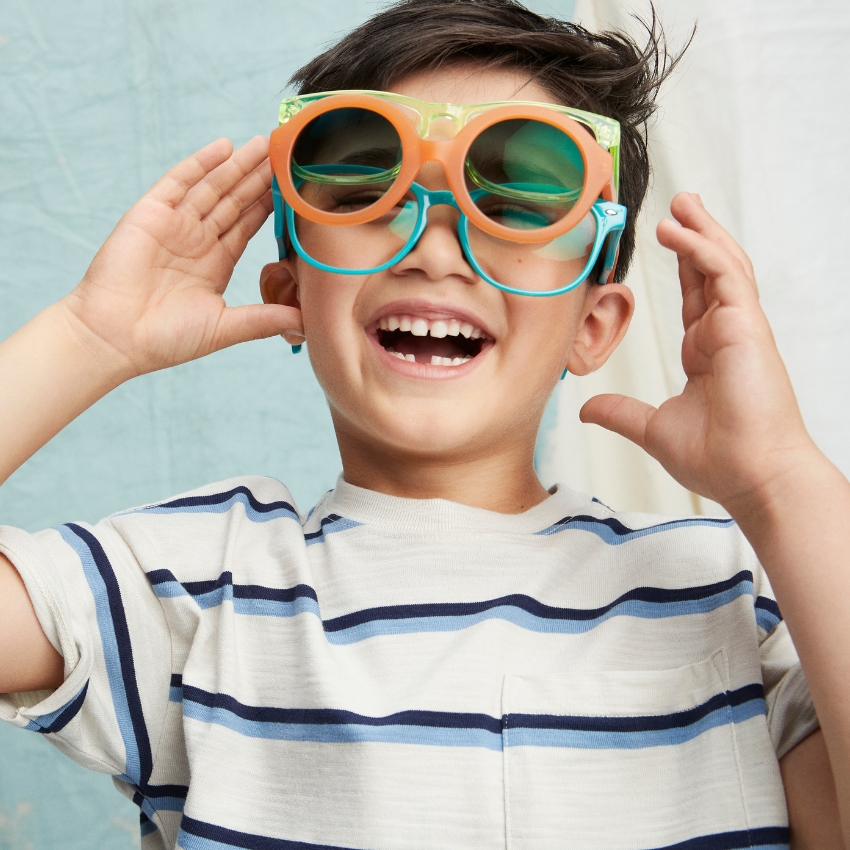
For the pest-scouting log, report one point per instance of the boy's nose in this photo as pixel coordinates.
(438, 253)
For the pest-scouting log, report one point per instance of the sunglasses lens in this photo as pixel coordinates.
(345, 160)
(531, 173)
(359, 247)
(535, 267)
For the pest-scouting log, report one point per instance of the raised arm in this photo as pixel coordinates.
(152, 298)
(736, 435)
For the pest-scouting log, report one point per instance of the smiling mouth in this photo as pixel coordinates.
(441, 342)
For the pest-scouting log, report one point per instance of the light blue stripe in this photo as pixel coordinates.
(175, 694)
(170, 590)
(45, 720)
(344, 733)
(580, 740)
(272, 608)
(192, 842)
(767, 620)
(347, 733)
(341, 524)
(534, 623)
(605, 533)
(147, 828)
(110, 652)
(162, 804)
(410, 625)
(224, 507)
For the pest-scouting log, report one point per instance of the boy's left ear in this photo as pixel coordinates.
(607, 311)
(279, 286)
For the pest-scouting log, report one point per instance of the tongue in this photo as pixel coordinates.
(423, 348)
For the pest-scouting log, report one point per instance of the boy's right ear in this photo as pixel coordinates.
(279, 286)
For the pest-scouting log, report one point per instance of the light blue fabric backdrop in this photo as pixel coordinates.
(97, 99)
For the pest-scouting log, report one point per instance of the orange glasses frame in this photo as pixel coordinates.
(451, 154)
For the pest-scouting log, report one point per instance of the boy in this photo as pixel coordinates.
(442, 636)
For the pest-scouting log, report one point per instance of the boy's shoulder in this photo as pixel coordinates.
(262, 497)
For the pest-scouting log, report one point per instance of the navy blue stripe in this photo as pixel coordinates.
(240, 591)
(155, 791)
(221, 498)
(763, 837)
(147, 826)
(66, 715)
(232, 838)
(768, 605)
(532, 606)
(330, 519)
(176, 680)
(336, 716)
(125, 648)
(471, 720)
(639, 723)
(738, 840)
(520, 609)
(615, 531)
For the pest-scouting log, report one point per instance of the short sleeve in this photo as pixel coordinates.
(790, 710)
(99, 611)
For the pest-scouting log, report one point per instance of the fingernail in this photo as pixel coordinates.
(698, 199)
(290, 335)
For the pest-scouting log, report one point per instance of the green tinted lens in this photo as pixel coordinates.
(535, 267)
(346, 159)
(532, 173)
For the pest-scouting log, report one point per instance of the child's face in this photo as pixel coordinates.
(384, 406)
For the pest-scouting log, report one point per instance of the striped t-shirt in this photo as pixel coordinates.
(399, 673)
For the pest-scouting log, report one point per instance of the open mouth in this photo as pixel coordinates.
(440, 342)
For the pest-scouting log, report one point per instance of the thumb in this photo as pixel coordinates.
(625, 416)
(257, 321)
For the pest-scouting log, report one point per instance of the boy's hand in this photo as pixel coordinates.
(152, 297)
(735, 431)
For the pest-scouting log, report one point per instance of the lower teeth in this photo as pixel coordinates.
(436, 360)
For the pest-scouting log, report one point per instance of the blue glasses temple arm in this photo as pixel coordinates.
(279, 220)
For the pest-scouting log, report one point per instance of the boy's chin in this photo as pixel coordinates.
(441, 434)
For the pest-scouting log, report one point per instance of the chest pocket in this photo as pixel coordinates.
(638, 761)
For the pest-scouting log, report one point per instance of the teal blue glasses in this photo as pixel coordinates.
(378, 245)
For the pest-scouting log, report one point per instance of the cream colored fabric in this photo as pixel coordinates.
(751, 121)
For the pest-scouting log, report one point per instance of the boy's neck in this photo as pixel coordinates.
(504, 482)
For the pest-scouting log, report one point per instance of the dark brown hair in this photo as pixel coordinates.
(608, 73)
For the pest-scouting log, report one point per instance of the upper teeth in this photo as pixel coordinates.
(423, 327)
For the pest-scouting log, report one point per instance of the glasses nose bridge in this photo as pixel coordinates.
(436, 150)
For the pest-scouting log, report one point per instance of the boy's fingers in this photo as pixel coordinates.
(725, 277)
(246, 193)
(690, 212)
(691, 281)
(257, 321)
(693, 292)
(238, 236)
(173, 186)
(204, 196)
(620, 414)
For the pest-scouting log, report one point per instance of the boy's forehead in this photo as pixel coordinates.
(471, 83)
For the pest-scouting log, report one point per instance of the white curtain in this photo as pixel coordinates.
(756, 121)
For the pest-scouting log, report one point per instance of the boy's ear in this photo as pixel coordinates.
(607, 311)
(278, 284)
